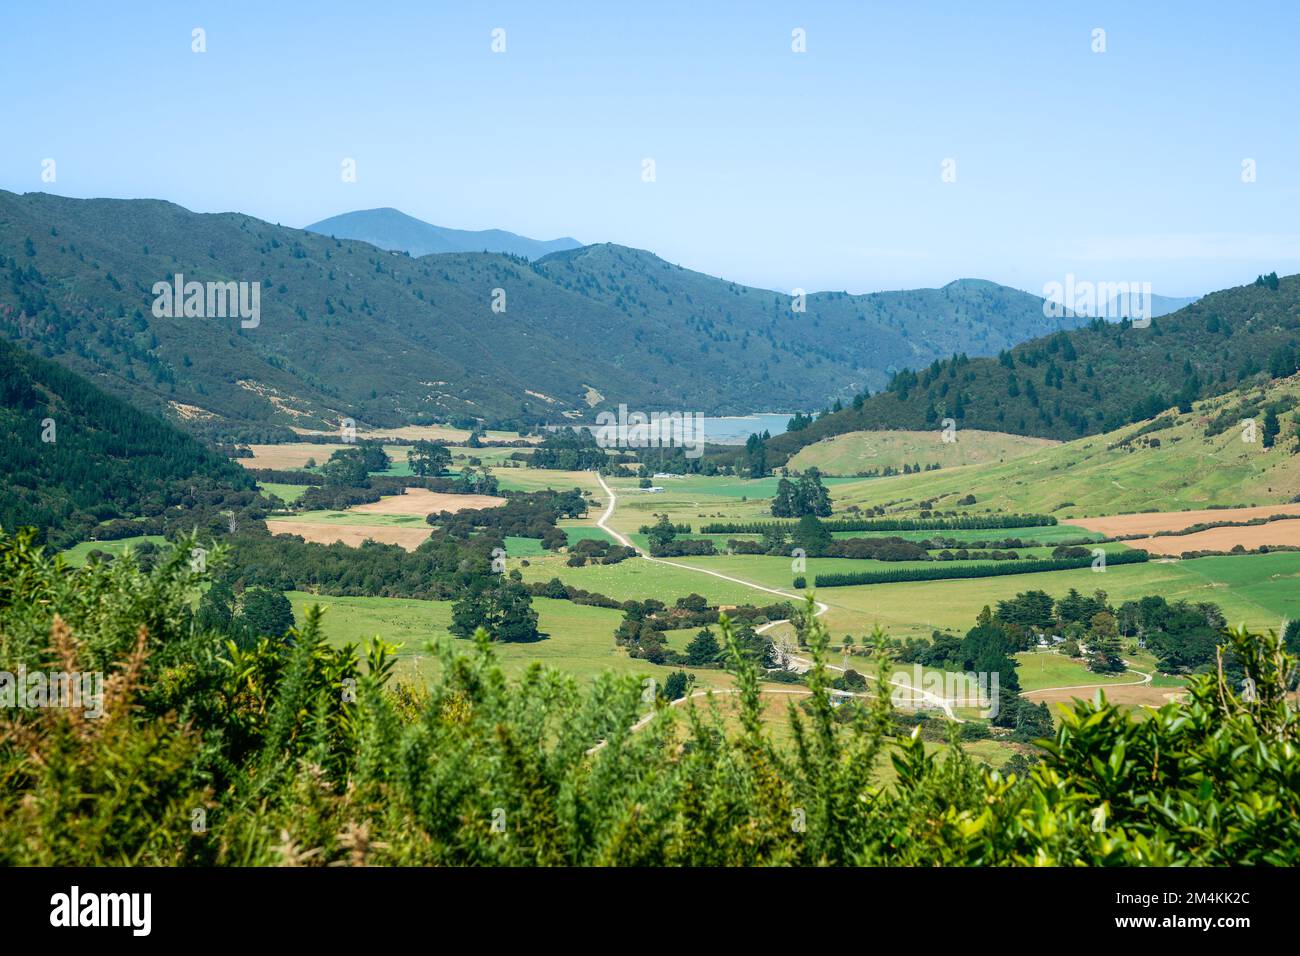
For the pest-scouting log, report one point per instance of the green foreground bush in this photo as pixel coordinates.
(294, 752)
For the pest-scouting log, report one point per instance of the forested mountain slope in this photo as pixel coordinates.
(870, 336)
(1090, 379)
(73, 456)
(348, 330)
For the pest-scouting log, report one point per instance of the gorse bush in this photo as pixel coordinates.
(299, 752)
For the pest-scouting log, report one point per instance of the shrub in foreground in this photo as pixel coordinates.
(300, 753)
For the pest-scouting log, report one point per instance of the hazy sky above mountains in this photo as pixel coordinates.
(778, 169)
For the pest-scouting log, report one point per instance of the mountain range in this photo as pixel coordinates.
(349, 330)
(1091, 379)
(394, 230)
(1129, 306)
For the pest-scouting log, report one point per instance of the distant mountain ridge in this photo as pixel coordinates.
(1091, 379)
(394, 230)
(1130, 306)
(874, 334)
(348, 330)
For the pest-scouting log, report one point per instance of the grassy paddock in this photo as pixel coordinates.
(1259, 590)
(638, 579)
(580, 641)
(855, 452)
(1102, 475)
(78, 553)
(1038, 669)
(286, 493)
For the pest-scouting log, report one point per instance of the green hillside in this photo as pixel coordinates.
(1091, 379)
(867, 336)
(74, 457)
(872, 452)
(349, 330)
(1177, 461)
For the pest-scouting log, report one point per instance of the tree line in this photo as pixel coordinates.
(947, 571)
(957, 523)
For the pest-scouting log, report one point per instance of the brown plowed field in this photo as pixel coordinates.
(352, 534)
(1132, 695)
(1224, 539)
(421, 501)
(1152, 522)
(288, 456)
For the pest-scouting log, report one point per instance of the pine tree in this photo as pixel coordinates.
(755, 456)
(1271, 428)
(811, 536)
(703, 649)
(661, 534)
(1104, 647)
(783, 504)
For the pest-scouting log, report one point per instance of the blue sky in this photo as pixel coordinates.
(820, 170)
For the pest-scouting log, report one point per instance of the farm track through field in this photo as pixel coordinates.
(1143, 678)
(822, 607)
(946, 705)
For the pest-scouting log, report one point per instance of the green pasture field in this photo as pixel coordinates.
(1048, 535)
(1260, 591)
(698, 500)
(401, 468)
(578, 531)
(580, 641)
(1039, 669)
(1102, 475)
(541, 479)
(492, 457)
(1043, 534)
(692, 500)
(856, 452)
(725, 486)
(524, 547)
(776, 572)
(286, 493)
(78, 553)
(638, 579)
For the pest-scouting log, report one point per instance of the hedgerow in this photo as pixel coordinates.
(943, 571)
(957, 523)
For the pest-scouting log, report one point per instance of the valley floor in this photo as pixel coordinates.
(1258, 590)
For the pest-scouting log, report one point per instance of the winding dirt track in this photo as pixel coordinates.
(1143, 678)
(945, 704)
(822, 607)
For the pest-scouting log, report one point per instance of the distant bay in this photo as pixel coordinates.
(728, 429)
